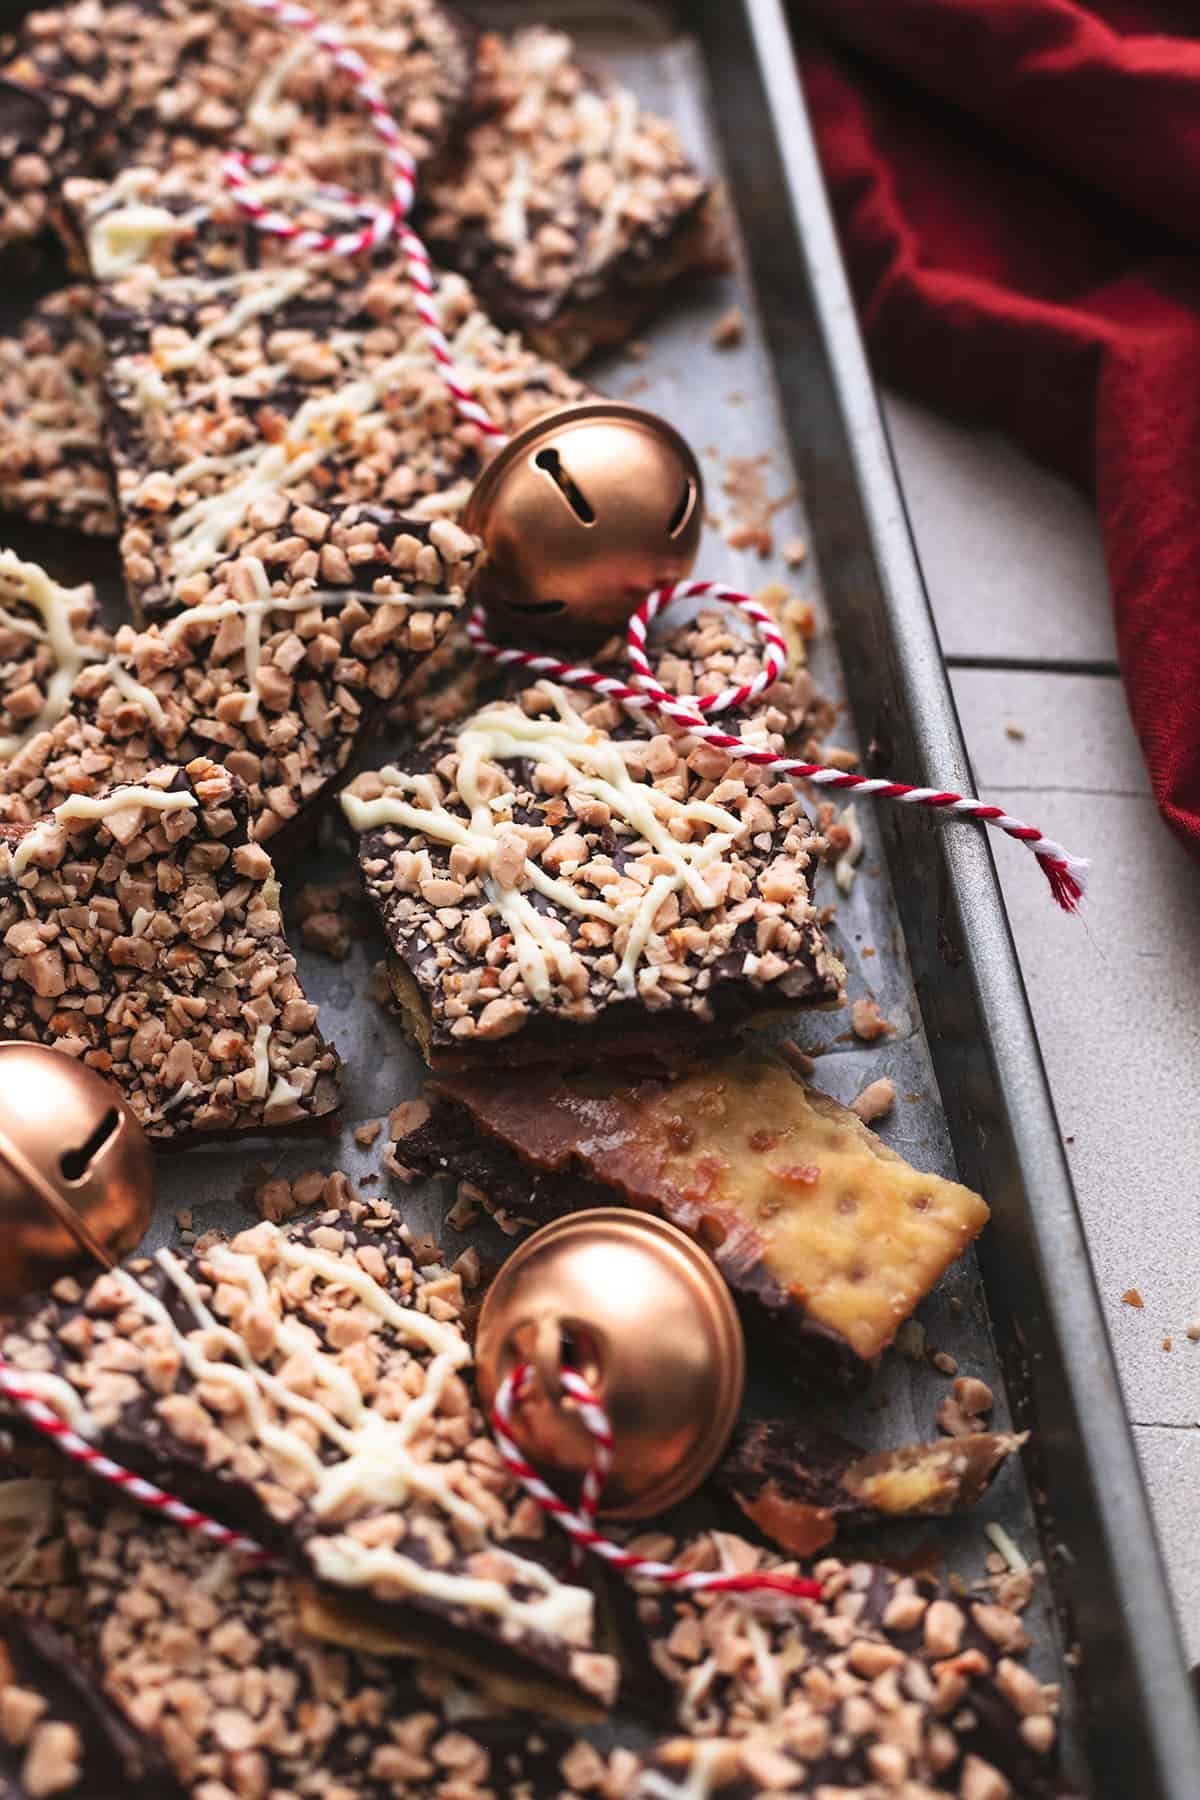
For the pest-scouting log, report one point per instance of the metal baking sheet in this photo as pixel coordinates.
(923, 930)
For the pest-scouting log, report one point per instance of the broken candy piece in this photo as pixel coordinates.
(814, 1223)
(140, 931)
(802, 1486)
(558, 884)
(251, 383)
(282, 680)
(310, 1388)
(571, 209)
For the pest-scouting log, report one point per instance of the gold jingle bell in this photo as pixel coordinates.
(641, 1313)
(581, 515)
(76, 1171)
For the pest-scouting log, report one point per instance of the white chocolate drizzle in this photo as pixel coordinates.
(26, 582)
(377, 1463)
(271, 118)
(120, 237)
(89, 806)
(200, 530)
(61, 1398)
(262, 1066)
(703, 1770)
(593, 765)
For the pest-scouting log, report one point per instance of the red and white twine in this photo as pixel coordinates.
(1066, 874)
(579, 1525)
(133, 1487)
(379, 222)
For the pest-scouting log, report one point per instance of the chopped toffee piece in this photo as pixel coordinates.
(53, 463)
(140, 931)
(59, 1734)
(809, 1217)
(281, 671)
(310, 1389)
(89, 86)
(248, 378)
(48, 635)
(572, 209)
(554, 883)
(801, 1486)
(38, 1578)
(883, 1686)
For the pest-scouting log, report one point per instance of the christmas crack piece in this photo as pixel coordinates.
(801, 1486)
(280, 673)
(89, 86)
(140, 931)
(816, 1225)
(309, 1388)
(210, 1661)
(59, 1734)
(884, 1686)
(53, 463)
(248, 376)
(554, 884)
(572, 209)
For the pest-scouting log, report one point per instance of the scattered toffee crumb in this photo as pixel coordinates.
(910, 1340)
(876, 1101)
(965, 1411)
(325, 912)
(279, 1199)
(868, 1023)
(365, 1135)
(753, 508)
(1131, 1297)
(1016, 732)
(795, 551)
(729, 330)
(944, 1363)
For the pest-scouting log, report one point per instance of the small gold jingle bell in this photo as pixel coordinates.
(581, 515)
(76, 1171)
(641, 1313)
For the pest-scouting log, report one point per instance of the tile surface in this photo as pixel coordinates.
(1171, 1465)
(1116, 997)
(1011, 554)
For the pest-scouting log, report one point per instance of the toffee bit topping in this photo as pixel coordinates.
(48, 634)
(248, 378)
(548, 856)
(102, 85)
(53, 463)
(874, 1689)
(572, 207)
(140, 931)
(278, 672)
(319, 1375)
(212, 1663)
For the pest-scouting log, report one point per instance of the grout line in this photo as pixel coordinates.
(1030, 666)
(1165, 1424)
(1094, 793)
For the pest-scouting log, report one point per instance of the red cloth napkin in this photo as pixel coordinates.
(1017, 184)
